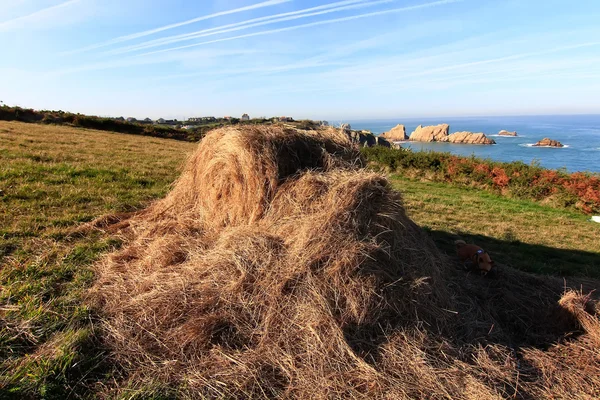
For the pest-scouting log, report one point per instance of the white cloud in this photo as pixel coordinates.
(27, 21)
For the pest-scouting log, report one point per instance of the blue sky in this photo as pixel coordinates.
(347, 59)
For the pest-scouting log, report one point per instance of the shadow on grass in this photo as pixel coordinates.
(521, 308)
(527, 257)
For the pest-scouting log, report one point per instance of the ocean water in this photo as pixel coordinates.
(579, 133)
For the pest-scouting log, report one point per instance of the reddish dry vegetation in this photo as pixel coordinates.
(577, 190)
(277, 268)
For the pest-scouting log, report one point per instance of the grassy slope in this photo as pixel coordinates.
(519, 233)
(53, 178)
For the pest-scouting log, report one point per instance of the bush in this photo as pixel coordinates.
(578, 190)
(98, 123)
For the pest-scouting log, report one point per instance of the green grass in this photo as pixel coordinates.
(519, 233)
(54, 178)
(51, 180)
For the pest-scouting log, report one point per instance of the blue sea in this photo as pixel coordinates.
(579, 133)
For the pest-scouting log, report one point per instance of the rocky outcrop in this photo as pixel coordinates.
(507, 133)
(439, 133)
(382, 142)
(430, 133)
(369, 140)
(468, 138)
(396, 134)
(362, 139)
(546, 142)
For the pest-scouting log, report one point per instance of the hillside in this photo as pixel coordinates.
(53, 179)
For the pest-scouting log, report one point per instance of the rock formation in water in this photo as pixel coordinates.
(468, 138)
(430, 133)
(546, 142)
(396, 134)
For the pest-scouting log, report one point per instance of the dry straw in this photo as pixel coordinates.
(278, 268)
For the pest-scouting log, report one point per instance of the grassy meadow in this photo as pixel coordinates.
(520, 233)
(53, 178)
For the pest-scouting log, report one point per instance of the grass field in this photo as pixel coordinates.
(54, 178)
(519, 233)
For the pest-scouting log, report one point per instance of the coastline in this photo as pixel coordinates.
(580, 135)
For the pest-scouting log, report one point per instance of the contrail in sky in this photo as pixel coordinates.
(311, 24)
(178, 24)
(267, 20)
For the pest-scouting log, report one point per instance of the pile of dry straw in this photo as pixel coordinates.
(278, 267)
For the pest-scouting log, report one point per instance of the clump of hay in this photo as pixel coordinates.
(276, 267)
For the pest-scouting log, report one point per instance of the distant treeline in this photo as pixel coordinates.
(146, 128)
(99, 123)
(577, 190)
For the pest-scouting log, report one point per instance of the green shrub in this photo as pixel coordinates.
(98, 123)
(517, 179)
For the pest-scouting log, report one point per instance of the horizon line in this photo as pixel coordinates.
(357, 119)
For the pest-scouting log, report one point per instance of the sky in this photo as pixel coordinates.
(334, 60)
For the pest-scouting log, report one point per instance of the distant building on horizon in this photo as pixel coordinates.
(286, 119)
(245, 117)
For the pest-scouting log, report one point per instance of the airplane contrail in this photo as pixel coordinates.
(311, 24)
(137, 35)
(251, 23)
(13, 22)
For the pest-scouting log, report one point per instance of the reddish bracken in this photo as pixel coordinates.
(500, 178)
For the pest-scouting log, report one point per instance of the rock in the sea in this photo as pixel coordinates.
(507, 133)
(397, 133)
(430, 133)
(468, 138)
(546, 142)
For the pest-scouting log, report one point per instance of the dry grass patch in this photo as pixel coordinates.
(348, 317)
(276, 268)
